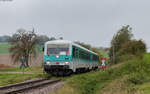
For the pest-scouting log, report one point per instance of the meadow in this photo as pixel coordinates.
(4, 48)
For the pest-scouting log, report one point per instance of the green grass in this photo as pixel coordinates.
(9, 78)
(123, 79)
(4, 48)
(6, 79)
(35, 69)
(145, 88)
(87, 83)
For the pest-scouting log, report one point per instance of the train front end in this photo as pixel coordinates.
(57, 58)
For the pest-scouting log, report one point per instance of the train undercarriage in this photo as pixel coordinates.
(58, 70)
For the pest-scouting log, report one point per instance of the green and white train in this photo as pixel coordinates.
(63, 57)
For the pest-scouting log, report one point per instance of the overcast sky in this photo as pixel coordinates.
(90, 21)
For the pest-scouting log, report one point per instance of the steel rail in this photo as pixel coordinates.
(20, 84)
(30, 87)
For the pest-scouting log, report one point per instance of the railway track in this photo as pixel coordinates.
(25, 86)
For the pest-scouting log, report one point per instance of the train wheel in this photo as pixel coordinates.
(68, 72)
(61, 73)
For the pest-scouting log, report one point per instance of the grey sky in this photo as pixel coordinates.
(89, 21)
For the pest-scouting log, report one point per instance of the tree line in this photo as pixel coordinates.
(23, 45)
(123, 45)
(42, 38)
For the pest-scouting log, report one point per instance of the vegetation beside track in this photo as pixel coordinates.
(132, 77)
(8, 75)
(6, 79)
(33, 69)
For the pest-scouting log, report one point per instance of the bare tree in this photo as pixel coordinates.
(23, 45)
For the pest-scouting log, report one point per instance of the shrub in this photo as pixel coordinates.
(138, 78)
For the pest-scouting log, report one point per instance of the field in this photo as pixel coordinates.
(4, 48)
(6, 60)
(5, 57)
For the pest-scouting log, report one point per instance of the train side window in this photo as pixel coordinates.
(76, 53)
(73, 52)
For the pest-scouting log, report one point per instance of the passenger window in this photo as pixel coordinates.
(73, 52)
(76, 53)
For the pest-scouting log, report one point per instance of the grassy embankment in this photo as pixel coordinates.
(132, 77)
(30, 73)
(6, 79)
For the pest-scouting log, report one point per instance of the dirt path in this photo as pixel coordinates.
(5, 59)
(116, 65)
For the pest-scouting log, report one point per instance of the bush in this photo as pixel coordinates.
(134, 47)
(138, 78)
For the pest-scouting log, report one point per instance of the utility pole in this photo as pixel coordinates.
(113, 53)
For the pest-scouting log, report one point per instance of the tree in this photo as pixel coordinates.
(61, 38)
(4, 38)
(88, 46)
(52, 38)
(124, 35)
(123, 47)
(134, 47)
(23, 45)
(96, 50)
(42, 39)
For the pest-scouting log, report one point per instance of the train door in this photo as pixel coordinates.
(91, 61)
(75, 58)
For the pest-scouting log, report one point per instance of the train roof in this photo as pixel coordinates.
(68, 42)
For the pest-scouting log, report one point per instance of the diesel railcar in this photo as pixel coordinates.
(62, 57)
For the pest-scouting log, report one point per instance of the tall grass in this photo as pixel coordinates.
(135, 72)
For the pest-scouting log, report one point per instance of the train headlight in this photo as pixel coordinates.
(48, 63)
(67, 62)
(57, 56)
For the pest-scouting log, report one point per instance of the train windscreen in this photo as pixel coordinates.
(53, 49)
